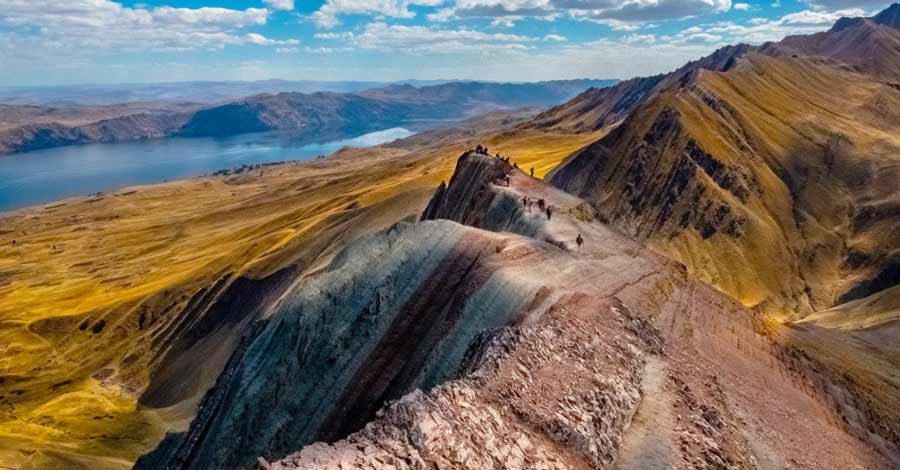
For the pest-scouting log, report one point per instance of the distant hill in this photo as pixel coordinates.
(323, 114)
(197, 92)
(332, 114)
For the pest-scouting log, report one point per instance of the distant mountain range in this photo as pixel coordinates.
(321, 115)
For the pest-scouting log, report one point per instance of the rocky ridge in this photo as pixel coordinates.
(549, 361)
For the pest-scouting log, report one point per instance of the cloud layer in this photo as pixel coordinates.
(617, 10)
(95, 26)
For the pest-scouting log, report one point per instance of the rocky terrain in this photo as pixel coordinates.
(502, 344)
(321, 115)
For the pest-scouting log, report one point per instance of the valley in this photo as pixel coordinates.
(691, 270)
(152, 250)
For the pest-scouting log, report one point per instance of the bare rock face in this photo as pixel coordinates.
(555, 396)
(473, 198)
(438, 345)
(392, 313)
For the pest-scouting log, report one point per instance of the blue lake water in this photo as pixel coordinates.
(47, 175)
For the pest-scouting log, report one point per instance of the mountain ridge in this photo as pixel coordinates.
(321, 115)
(746, 141)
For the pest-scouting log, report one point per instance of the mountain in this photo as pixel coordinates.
(483, 334)
(196, 92)
(785, 152)
(24, 128)
(324, 114)
(320, 115)
(109, 303)
(701, 273)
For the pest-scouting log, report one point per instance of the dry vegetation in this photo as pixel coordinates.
(78, 277)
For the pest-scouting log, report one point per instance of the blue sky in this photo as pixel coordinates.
(104, 41)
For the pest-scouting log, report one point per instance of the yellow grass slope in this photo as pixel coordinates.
(89, 286)
(773, 181)
(823, 145)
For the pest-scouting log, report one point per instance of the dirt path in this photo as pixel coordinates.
(649, 443)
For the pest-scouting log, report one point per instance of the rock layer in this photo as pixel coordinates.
(498, 350)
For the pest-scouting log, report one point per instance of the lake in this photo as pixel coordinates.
(43, 176)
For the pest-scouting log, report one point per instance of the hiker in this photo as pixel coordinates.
(507, 181)
(532, 172)
(516, 165)
(541, 204)
(579, 241)
(549, 212)
(525, 202)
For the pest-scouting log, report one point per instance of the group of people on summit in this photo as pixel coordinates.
(527, 202)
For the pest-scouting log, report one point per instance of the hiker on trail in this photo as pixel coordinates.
(516, 165)
(541, 204)
(579, 241)
(549, 212)
(525, 202)
(532, 172)
(507, 181)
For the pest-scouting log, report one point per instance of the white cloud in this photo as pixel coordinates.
(505, 21)
(260, 40)
(554, 37)
(90, 27)
(760, 30)
(622, 10)
(741, 6)
(839, 4)
(280, 4)
(442, 15)
(617, 25)
(504, 12)
(639, 38)
(381, 36)
(327, 15)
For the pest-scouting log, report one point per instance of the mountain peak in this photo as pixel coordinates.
(890, 16)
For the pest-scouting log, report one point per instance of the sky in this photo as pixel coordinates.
(51, 42)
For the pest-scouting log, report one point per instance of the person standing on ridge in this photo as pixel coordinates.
(532, 172)
(549, 212)
(579, 241)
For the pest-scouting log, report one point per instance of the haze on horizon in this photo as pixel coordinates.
(60, 42)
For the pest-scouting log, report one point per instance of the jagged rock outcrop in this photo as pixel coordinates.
(473, 199)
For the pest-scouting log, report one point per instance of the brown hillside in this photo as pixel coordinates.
(774, 178)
